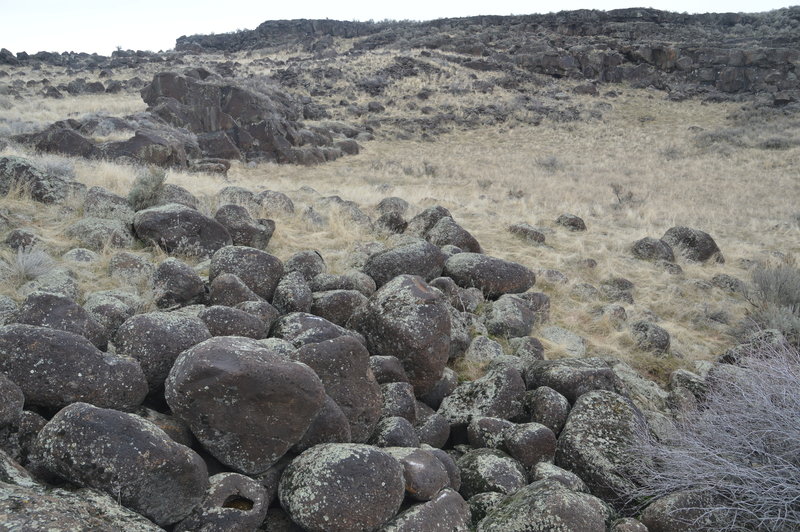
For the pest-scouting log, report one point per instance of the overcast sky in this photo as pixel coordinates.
(103, 25)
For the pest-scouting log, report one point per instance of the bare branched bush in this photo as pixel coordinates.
(775, 296)
(738, 453)
(146, 189)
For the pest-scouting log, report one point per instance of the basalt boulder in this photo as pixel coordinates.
(492, 275)
(179, 229)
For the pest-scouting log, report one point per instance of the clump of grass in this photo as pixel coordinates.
(27, 264)
(146, 188)
(775, 296)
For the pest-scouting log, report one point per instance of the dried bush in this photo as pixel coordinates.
(146, 188)
(56, 165)
(775, 296)
(739, 451)
(26, 265)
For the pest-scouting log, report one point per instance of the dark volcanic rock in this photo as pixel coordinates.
(343, 366)
(103, 449)
(269, 401)
(571, 377)
(424, 473)
(175, 283)
(243, 229)
(448, 232)
(156, 339)
(693, 244)
(180, 229)
(13, 400)
(416, 258)
(58, 312)
(68, 369)
(571, 222)
(497, 394)
(300, 329)
(337, 306)
(408, 320)
(259, 270)
(652, 249)
(228, 321)
(326, 479)
(232, 502)
(330, 425)
(493, 276)
(227, 289)
(446, 512)
(19, 172)
(292, 294)
(485, 470)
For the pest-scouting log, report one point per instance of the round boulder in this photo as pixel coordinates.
(693, 244)
(493, 276)
(415, 258)
(232, 502)
(342, 487)
(177, 228)
(259, 270)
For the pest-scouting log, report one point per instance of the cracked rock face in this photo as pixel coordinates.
(342, 487)
(125, 456)
(246, 404)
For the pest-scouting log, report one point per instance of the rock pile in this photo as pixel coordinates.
(274, 391)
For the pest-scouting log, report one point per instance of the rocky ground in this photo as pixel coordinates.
(342, 276)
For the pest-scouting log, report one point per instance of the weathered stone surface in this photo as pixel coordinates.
(244, 230)
(652, 249)
(394, 432)
(409, 320)
(547, 506)
(232, 502)
(387, 369)
(571, 222)
(101, 203)
(694, 245)
(548, 407)
(97, 233)
(441, 389)
(487, 432)
(175, 283)
(424, 221)
(148, 147)
(493, 276)
(342, 365)
(328, 478)
(448, 232)
(510, 317)
(60, 281)
(546, 470)
(432, 428)
(259, 270)
(351, 280)
(228, 321)
(68, 369)
(8, 310)
(682, 512)
(22, 239)
(485, 470)
(425, 475)
(530, 443)
(177, 228)
(308, 263)
(13, 400)
(628, 524)
(110, 308)
(262, 310)
(650, 337)
(300, 329)
(228, 290)
(398, 400)
(269, 401)
(156, 339)
(19, 173)
(595, 441)
(275, 202)
(447, 512)
(483, 349)
(131, 269)
(415, 258)
(292, 294)
(174, 427)
(337, 306)
(102, 449)
(571, 377)
(527, 233)
(481, 504)
(330, 425)
(497, 394)
(58, 312)
(573, 344)
(392, 204)
(81, 256)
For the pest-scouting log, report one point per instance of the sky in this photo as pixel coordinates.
(103, 25)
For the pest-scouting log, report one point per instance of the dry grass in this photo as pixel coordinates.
(647, 147)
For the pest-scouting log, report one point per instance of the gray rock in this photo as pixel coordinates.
(546, 470)
(323, 480)
(595, 443)
(497, 394)
(97, 233)
(68, 369)
(22, 239)
(510, 317)
(432, 428)
(228, 290)
(171, 425)
(308, 263)
(628, 524)
(351, 280)
(102, 448)
(409, 320)
(448, 232)
(529, 444)
(481, 504)
(330, 425)
(425, 475)
(483, 349)
(683, 511)
(527, 233)
(13, 400)
(16, 172)
(487, 432)
(392, 204)
(251, 429)
(259, 270)
(275, 203)
(447, 512)
(58, 312)
(571, 222)
(131, 269)
(493, 276)
(394, 432)
(8, 310)
(694, 245)
(548, 407)
(342, 365)
(652, 249)
(387, 369)
(485, 470)
(101, 203)
(81, 256)
(567, 340)
(300, 329)
(232, 502)
(337, 306)
(415, 258)
(548, 506)
(398, 400)
(572, 377)
(650, 337)
(441, 389)
(110, 308)
(176, 284)
(156, 339)
(177, 228)
(262, 310)
(228, 321)
(60, 281)
(292, 294)
(244, 230)
(420, 224)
